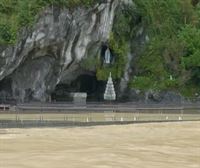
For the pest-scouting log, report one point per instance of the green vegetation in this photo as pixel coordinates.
(173, 27)
(90, 63)
(15, 14)
(191, 59)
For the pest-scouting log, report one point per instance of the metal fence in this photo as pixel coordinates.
(68, 115)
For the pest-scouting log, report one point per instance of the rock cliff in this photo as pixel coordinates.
(50, 52)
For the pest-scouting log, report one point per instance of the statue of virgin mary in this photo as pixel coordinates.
(107, 58)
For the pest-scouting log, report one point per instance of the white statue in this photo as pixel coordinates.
(107, 56)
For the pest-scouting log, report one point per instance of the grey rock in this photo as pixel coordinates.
(150, 96)
(50, 52)
(163, 97)
(171, 97)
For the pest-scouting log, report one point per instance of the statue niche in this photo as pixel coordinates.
(107, 56)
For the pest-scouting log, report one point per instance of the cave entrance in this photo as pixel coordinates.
(83, 83)
(61, 93)
(6, 91)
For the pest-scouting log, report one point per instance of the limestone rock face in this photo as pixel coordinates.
(51, 51)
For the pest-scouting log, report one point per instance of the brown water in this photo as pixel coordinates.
(158, 145)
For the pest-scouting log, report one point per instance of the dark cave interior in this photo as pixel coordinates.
(5, 90)
(84, 83)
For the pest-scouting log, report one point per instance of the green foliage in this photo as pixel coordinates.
(165, 17)
(90, 63)
(103, 73)
(151, 62)
(15, 14)
(191, 59)
(142, 82)
(7, 7)
(189, 90)
(190, 36)
(174, 47)
(125, 22)
(151, 83)
(197, 10)
(6, 34)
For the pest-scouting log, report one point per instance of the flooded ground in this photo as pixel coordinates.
(156, 145)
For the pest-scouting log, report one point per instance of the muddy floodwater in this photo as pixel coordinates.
(156, 145)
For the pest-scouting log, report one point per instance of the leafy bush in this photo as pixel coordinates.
(190, 36)
(15, 14)
(90, 63)
(173, 49)
(7, 35)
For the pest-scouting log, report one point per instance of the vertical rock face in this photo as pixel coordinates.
(52, 51)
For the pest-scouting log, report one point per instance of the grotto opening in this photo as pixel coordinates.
(85, 83)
